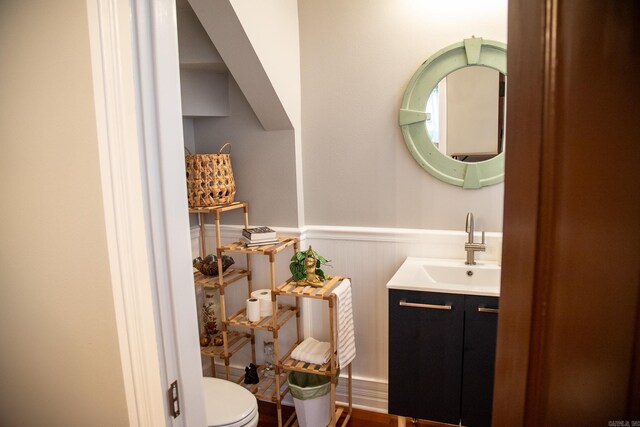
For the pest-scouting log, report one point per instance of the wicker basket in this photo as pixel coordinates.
(210, 179)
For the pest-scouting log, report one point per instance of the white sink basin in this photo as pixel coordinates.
(447, 275)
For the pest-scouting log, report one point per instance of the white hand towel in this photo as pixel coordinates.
(312, 351)
(319, 353)
(346, 337)
(307, 354)
(299, 352)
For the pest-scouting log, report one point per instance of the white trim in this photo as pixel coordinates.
(160, 123)
(231, 232)
(136, 85)
(339, 232)
(380, 234)
(435, 238)
(114, 91)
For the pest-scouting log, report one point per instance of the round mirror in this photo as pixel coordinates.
(453, 113)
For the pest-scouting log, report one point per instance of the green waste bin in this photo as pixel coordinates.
(311, 398)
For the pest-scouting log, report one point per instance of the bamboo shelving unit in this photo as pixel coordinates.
(232, 340)
(282, 313)
(271, 388)
(287, 363)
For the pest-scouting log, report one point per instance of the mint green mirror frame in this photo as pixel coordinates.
(474, 51)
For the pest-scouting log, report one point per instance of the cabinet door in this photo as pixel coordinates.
(425, 355)
(480, 332)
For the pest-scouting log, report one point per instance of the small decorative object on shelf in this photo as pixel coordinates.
(210, 178)
(209, 265)
(305, 268)
(209, 319)
(218, 341)
(205, 339)
(251, 374)
(268, 358)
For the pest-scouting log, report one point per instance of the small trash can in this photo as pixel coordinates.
(311, 398)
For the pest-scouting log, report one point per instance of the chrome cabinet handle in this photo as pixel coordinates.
(487, 310)
(431, 306)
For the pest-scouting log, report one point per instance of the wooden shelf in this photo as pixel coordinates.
(265, 390)
(229, 276)
(292, 289)
(285, 312)
(288, 363)
(271, 250)
(235, 341)
(220, 208)
(329, 369)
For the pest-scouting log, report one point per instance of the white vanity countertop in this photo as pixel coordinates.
(447, 276)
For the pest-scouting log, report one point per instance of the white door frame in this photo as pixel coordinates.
(134, 52)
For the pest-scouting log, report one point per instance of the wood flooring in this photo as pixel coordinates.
(359, 417)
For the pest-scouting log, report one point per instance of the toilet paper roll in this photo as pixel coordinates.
(264, 295)
(253, 309)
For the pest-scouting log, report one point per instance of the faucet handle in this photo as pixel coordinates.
(483, 238)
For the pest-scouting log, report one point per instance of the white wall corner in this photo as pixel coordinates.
(225, 29)
(272, 28)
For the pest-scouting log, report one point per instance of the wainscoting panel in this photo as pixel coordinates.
(370, 257)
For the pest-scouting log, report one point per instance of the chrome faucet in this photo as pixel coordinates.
(471, 247)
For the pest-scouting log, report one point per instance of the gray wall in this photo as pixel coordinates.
(356, 60)
(60, 363)
(263, 162)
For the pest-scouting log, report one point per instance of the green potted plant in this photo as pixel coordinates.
(306, 266)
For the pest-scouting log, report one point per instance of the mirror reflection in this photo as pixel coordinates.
(466, 114)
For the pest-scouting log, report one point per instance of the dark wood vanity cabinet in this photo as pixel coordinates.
(441, 356)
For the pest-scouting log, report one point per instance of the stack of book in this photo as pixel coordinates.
(258, 236)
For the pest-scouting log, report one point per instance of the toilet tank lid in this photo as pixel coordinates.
(227, 403)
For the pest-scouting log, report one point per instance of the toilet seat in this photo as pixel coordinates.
(228, 404)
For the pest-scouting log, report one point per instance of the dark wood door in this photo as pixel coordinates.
(480, 333)
(425, 355)
(569, 334)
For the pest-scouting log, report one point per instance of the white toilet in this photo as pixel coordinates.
(228, 404)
